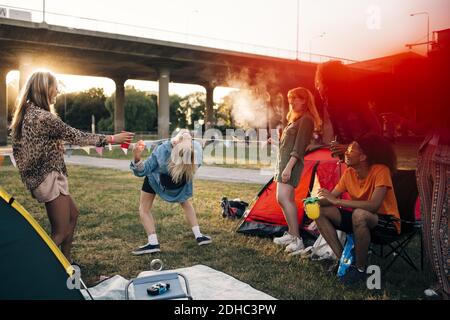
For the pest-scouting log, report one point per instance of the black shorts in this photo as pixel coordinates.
(146, 187)
(166, 182)
(385, 223)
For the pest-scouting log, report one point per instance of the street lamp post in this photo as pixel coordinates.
(310, 43)
(428, 26)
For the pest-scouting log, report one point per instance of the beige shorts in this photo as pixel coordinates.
(54, 184)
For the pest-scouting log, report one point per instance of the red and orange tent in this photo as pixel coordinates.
(265, 217)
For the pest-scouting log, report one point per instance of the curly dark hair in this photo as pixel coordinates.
(378, 150)
(332, 74)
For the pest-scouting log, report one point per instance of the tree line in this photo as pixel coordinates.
(141, 110)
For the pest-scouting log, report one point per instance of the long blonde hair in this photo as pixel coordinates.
(310, 106)
(181, 163)
(36, 91)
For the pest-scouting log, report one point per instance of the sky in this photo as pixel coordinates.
(351, 29)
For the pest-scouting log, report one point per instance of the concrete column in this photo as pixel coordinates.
(25, 70)
(3, 108)
(209, 112)
(163, 103)
(119, 108)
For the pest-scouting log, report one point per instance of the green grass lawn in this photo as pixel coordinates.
(109, 229)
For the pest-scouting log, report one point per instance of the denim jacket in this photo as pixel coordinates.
(156, 164)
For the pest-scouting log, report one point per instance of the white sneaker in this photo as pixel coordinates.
(295, 245)
(304, 253)
(432, 294)
(284, 240)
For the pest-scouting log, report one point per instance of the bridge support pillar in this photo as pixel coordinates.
(119, 107)
(3, 108)
(209, 112)
(163, 103)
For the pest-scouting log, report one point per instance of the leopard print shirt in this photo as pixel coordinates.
(40, 150)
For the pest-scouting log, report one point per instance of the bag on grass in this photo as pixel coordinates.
(233, 208)
(321, 250)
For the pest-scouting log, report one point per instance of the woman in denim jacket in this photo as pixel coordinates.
(168, 172)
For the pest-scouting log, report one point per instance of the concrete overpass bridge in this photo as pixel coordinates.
(26, 45)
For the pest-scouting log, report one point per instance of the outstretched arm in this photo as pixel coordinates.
(142, 168)
(58, 129)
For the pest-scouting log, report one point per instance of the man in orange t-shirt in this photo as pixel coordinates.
(373, 207)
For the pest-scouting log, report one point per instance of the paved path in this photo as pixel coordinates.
(204, 173)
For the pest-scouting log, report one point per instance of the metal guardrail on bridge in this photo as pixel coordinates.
(76, 22)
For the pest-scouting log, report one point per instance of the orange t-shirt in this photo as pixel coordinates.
(362, 190)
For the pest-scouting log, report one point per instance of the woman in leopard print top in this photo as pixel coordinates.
(38, 135)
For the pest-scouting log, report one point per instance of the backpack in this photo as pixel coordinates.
(233, 208)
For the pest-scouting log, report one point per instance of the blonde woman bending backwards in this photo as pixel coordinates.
(168, 172)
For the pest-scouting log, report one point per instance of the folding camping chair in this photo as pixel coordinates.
(176, 291)
(406, 193)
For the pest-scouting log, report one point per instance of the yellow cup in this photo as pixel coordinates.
(312, 207)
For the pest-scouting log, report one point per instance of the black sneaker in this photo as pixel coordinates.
(148, 248)
(354, 277)
(203, 240)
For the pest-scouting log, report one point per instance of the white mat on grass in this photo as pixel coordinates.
(205, 284)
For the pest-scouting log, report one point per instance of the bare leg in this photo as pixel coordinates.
(58, 212)
(66, 245)
(329, 218)
(286, 199)
(189, 212)
(362, 222)
(145, 213)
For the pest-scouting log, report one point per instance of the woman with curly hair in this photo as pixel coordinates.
(370, 161)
